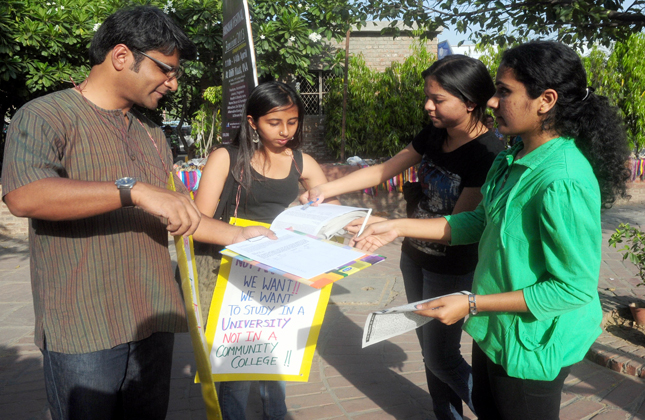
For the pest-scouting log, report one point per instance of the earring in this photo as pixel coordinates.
(254, 137)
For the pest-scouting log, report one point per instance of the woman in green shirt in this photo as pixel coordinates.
(534, 309)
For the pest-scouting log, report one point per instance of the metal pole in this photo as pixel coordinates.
(342, 131)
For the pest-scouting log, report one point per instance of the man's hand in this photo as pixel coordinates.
(180, 211)
(448, 309)
(253, 231)
(375, 236)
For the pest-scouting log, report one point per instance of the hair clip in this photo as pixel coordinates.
(589, 91)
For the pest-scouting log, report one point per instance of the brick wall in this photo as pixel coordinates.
(380, 50)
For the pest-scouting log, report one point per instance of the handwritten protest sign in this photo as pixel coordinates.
(262, 326)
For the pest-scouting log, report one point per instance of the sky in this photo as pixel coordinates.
(453, 37)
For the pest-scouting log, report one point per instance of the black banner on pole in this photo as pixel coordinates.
(240, 75)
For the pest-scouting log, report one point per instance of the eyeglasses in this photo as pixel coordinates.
(169, 71)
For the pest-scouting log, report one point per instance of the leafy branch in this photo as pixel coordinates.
(634, 248)
(502, 22)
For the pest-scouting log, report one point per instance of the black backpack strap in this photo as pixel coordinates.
(228, 185)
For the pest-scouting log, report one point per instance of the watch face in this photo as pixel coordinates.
(127, 182)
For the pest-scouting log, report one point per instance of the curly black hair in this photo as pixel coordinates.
(579, 113)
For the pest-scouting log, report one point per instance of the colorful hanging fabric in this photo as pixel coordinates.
(190, 177)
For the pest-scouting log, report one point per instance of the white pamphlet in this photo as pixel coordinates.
(296, 253)
(388, 323)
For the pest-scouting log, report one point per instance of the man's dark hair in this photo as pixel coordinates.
(142, 28)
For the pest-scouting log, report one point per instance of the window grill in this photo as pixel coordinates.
(313, 94)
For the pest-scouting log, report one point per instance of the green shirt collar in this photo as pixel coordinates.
(537, 156)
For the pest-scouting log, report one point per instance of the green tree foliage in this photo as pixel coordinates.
(288, 34)
(620, 75)
(42, 45)
(202, 22)
(491, 56)
(505, 21)
(627, 60)
(207, 121)
(384, 110)
(44, 42)
(634, 248)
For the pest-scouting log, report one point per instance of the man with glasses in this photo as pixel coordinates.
(170, 71)
(105, 297)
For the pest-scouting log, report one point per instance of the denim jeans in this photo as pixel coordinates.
(234, 395)
(449, 376)
(129, 381)
(497, 396)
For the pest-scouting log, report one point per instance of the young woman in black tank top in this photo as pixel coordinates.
(268, 171)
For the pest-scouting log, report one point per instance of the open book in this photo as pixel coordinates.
(323, 221)
(301, 251)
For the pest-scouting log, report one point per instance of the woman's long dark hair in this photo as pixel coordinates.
(578, 113)
(465, 78)
(265, 98)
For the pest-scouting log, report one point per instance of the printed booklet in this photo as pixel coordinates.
(388, 323)
(301, 253)
(323, 221)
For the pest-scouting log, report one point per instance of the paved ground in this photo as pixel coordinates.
(384, 381)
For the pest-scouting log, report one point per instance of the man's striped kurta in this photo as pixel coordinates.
(104, 280)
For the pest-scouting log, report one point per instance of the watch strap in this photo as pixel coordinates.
(126, 197)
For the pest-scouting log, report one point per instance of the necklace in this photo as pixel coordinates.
(508, 171)
(124, 137)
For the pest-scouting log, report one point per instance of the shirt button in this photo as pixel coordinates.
(133, 157)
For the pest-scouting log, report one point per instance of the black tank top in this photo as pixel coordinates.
(269, 197)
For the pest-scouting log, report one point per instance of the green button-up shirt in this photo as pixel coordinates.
(538, 228)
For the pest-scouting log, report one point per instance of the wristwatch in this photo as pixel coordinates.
(125, 186)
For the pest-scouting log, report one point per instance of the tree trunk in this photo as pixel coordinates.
(342, 130)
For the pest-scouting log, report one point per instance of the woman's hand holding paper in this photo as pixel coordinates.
(448, 309)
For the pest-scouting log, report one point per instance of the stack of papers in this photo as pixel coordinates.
(295, 253)
(302, 251)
